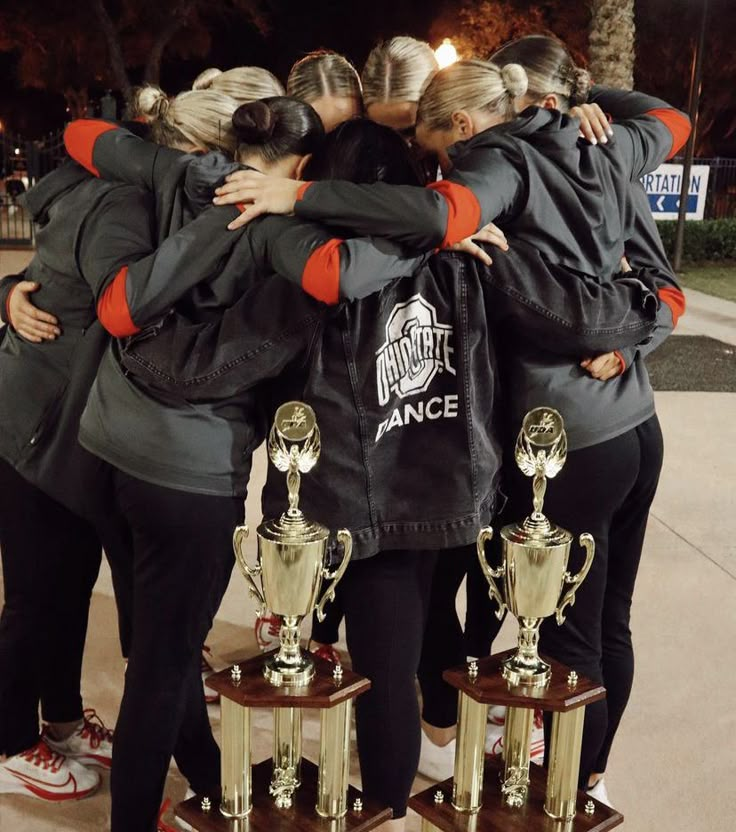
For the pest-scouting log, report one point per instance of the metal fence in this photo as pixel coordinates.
(721, 200)
(22, 164)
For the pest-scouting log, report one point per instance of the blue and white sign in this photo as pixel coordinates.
(663, 189)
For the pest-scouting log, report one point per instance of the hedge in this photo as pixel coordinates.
(706, 240)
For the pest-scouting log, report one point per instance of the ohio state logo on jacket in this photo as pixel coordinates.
(417, 349)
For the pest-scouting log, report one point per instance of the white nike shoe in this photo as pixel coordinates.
(436, 762)
(600, 793)
(45, 774)
(90, 744)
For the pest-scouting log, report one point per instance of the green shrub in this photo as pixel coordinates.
(706, 240)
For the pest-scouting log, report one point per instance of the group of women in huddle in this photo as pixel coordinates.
(166, 330)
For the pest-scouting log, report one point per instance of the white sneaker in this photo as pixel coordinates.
(45, 774)
(497, 714)
(182, 824)
(436, 762)
(600, 793)
(90, 744)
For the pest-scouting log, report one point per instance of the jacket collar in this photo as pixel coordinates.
(203, 175)
(536, 125)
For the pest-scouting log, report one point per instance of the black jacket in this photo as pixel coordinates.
(43, 386)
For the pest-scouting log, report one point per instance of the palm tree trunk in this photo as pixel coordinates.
(612, 49)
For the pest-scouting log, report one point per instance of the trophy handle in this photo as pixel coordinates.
(249, 572)
(491, 574)
(346, 539)
(587, 542)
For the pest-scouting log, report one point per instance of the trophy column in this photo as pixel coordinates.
(236, 760)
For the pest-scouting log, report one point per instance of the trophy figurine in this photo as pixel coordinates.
(288, 579)
(535, 552)
(291, 549)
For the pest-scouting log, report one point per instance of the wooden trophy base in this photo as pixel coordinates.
(301, 817)
(495, 816)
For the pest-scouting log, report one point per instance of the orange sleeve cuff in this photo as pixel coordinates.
(302, 190)
(112, 309)
(678, 125)
(321, 276)
(80, 137)
(675, 299)
(463, 211)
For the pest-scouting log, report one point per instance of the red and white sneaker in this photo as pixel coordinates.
(211, 697)
(90, 744)
(328, 653)
(536, 752)
(494, 738)
(45, 774)
(267, 629)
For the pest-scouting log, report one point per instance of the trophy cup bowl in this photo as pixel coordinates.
(292, 550)
(535, 579)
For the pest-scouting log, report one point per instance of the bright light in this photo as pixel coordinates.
(446, 53)
(17, 151)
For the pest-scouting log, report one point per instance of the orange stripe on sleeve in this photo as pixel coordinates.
(321, 277)
(463, 211)
(80, 137)
(302, 190)
(675, 300)
(677, 123)
(112, 309)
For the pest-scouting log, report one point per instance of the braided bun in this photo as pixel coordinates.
(514, 79)
(581, 83)
(254, 123)
(149, 102)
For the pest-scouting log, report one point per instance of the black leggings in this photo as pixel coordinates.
(445, 644)
(607, 490)
(385, 600)
(50, 561)
(182, 560)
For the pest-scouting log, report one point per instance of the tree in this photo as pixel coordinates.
(60, 51)
(479, 29)
(611, 41)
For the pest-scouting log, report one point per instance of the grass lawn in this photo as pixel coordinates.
(717, 279)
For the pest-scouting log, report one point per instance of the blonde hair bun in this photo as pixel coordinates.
(515, 80)
(205, 78)
(150, 102)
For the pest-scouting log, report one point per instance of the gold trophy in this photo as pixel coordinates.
(288, 790)
(535, 552)
(536, 584)
(291, 550)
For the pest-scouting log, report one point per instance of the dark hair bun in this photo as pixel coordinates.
(254, 123)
